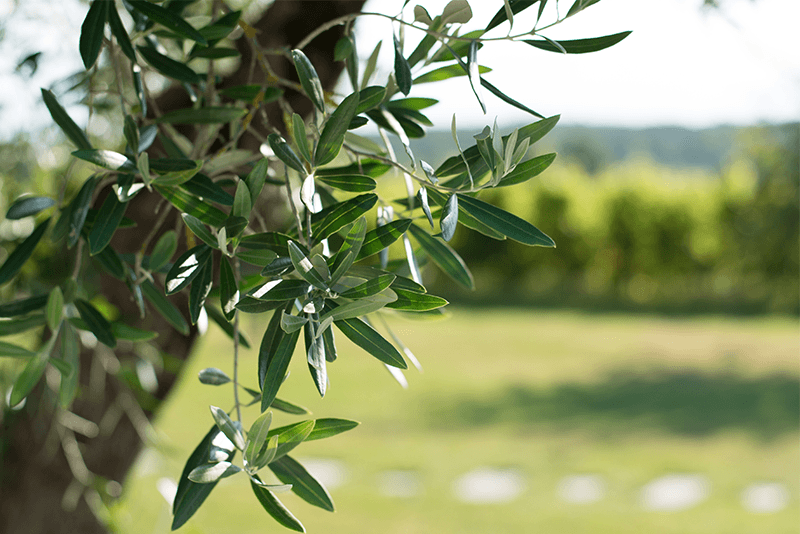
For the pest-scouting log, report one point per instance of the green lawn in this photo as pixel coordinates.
(629, 399)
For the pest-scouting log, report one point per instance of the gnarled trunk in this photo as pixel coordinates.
(35, 473)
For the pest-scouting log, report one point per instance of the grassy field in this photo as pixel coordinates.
(547, 395)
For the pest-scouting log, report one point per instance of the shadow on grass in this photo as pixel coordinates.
(687, 403)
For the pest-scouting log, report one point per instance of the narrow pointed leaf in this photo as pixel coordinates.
(54, 309)
(333, 218)
(326, 428)
(290, 436)
(370, 97)
(504, 222)
(349, 249)
(292, 323)
(257, 438)
(304, 485)
(353, 183)
(91, 40)
(168, 19)
(168, 66)
(363, 306)
(23, 324)
(107, 159)
(474, 73)
(79, 207)
(276, 509)
(106, 223)
(23, 306)
(191, 495)
(402, 72)
(28, 378)
(13, 351)
(288, 407)
(315, 357)
(163, 250)
(213, 377)
(371, 341)
(198, 292)
(228, 292)
(268, 360)
(186, 268)
(118, 31)
(449, 218)
(285, 153)
(382, 236)
(300, 138)
(28, 206)
(20, 255)
(188, 203)
(309, 79)
(227, 426)
(64, 121)
(305, 268)
(280, 290)
(332, 136)
(443, 73)
(417, 302)
(580, 46)
(444, 257)
(164, 307)
(97, 324)
(199, 229)
(131, 333)
(209, 473)
(370, 287)
(201, 186)
(260, 258)
(457, 11)
(527, 170)
(256, 179)
(502, 15)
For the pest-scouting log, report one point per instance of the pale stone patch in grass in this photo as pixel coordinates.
(400, 484)
(581, 489)
(487, 485)
(675, 492)
(765, 497)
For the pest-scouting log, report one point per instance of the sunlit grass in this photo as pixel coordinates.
(479, 359)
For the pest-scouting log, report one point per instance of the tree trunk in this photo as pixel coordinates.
(35, 472)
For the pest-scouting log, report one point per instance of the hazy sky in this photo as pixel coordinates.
(683, 65)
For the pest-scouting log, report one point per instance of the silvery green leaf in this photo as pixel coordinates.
(257, 439)
(228, 427)
(292, 323)
(449, 218)
(457, 11)
(213, 377)
(206, 474)
(429, 172)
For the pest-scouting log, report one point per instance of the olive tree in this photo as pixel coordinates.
(237, 182)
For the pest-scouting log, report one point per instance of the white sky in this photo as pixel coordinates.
(682, 65)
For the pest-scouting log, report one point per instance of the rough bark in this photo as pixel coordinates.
(34, 471)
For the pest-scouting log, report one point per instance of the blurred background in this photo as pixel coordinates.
(641, 377)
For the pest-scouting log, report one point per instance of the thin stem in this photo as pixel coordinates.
(438, 35)
(236, 346)
(408, 171)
